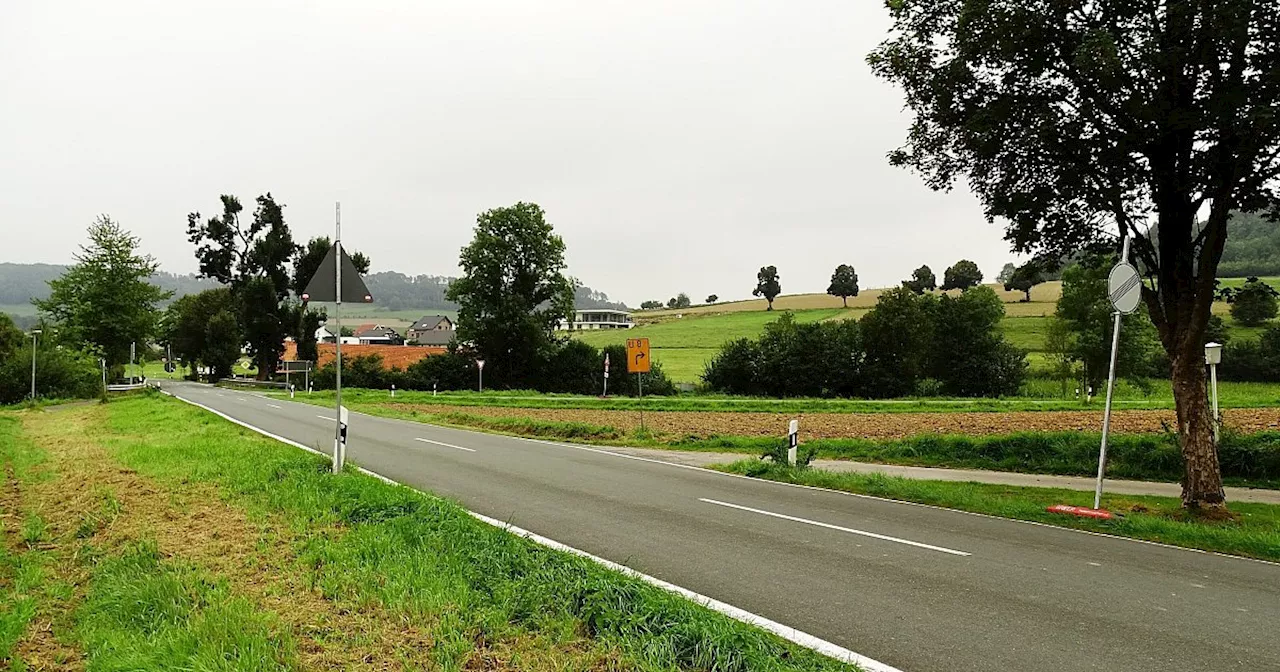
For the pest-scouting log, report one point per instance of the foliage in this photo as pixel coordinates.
(768, 284)
(62, 372)
(309, 258)
(1023, 278)
(513, 291)
(1071, 122)
(969, 356)
(202, 330)
(791, 359)
(255, 261)
(1252, 360)
(105, 300)
(1252, 248)
(1086, 310)
(712, 298)
(1253, 303)
(922, 280)
(963, 275)
(897, 334)
(650, 305)
(844, 283)
(681, 300)
(1005, 274)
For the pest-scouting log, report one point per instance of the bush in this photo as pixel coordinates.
(734, 368)
(1254, 303)
(61, 373)
(656, 382)
(449, 371)
(1252, 361)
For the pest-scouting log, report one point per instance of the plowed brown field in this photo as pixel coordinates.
(863, 425)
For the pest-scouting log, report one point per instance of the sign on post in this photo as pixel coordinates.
(1124, 287)
(638, 355)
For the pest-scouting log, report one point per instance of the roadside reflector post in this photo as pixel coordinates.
(393, 390)
(340, 446)
(290, 391)
(793, 441)
(480, 371)
(606, 376)
(434, 386)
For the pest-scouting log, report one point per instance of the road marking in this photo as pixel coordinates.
(325, 417)
(242, 399)
(850, 530)
(273, 406)
(887, 500)
(446, 445)
(786, 632)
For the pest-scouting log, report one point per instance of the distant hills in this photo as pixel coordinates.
(20, 283)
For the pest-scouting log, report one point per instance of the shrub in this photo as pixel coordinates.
(61, 373)
(449, 371)
(1254, 303)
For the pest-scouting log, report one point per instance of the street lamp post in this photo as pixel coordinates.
(1213, 357)
(34, 333)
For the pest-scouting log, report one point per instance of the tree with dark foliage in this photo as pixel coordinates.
(1083, 123)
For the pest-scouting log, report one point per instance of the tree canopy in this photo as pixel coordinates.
(105, 299)
(922, 280)
(513, 291)
(1023, 278)
(1081, 123)
(844, 283)
(962, 275)
(767, 284)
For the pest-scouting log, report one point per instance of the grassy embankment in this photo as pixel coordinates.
(1251, 530)
(142, 547)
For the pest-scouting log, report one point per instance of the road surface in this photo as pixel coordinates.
(918, 588)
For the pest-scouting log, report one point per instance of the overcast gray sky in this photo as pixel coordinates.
(676, 145)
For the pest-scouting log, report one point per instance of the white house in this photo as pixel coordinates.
(598, 318)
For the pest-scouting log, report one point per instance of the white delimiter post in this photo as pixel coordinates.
(1111, 385)
(793, 441)
(339, 449)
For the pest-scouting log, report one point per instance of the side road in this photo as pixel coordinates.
(703, 459)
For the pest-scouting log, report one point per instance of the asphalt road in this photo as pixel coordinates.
(915, 587)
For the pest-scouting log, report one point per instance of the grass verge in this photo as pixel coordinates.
(485, 598)
(1253, 530)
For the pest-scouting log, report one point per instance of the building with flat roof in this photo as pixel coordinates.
(597, 318)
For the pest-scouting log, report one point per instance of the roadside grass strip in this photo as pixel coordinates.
(230, 546)
(1251, 530)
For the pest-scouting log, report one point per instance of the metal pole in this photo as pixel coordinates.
(640, 387)
(337, 318)
(482, 379)
(34, 334)
(1213, 381)
(1111, 385)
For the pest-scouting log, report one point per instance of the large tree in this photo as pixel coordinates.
(105, 299)
(962, 275)
(1023, 278)
(844, 283)
(922, 280)
(512, 291)
(1079, 124)
(254, 260)
(202, 329)
(768, 284)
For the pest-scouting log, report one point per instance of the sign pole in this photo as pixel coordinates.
(640, 386)
(338, 434)
(606, 375)
(1116, 293)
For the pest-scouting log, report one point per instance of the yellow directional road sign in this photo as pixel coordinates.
(638, 355)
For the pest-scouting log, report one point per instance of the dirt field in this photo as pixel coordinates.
(864, 425)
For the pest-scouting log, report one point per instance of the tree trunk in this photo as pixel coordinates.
(1202, 480)
(846, 301)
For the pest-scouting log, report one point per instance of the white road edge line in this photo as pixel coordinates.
(788, 633)
(274, 406)
(322, 417)
(446, 445)
(886, 499)
(850, 530)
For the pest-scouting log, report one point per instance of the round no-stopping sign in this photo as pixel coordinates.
(1124, 287)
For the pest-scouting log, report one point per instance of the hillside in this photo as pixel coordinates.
(394, 292)
(683, 341)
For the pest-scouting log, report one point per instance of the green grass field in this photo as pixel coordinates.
(276, 564)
